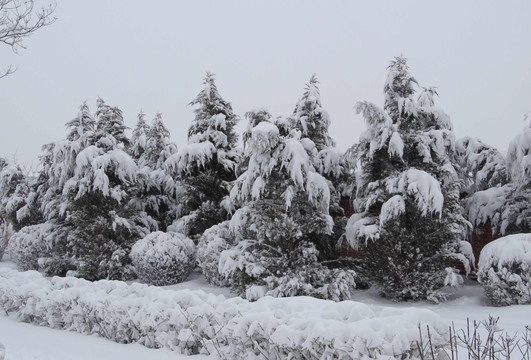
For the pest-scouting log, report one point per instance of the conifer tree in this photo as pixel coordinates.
(96, 208)
(517, 213)
(138, 138)
(506, 206)
(310, 118)
(156, 192)
(480, 166)
(14, 189)
(283, 205)
(208, 163)
(310, 121)
(408, 219)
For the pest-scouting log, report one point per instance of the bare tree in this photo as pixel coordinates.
(18, 20)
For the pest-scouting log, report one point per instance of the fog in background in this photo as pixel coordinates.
(152, 56)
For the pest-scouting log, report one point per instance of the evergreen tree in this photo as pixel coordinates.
(283, 205)
(506, 206)
(155, 197)
(95, 207)
(208, 163)
(310, 121)
(408, 219)
(139, 137)
(479, 165)
(14, 189)
(517, 213)
(310, 118)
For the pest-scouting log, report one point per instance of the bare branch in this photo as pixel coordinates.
(18, 20)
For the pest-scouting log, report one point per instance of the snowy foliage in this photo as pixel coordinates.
(14, 190)
(84, 189)
(487, 206)
(280, 185)
(277, 260)
(163, 258)
(519, 157)
(380, 130)
(193, 322)
(309, 124)
(156, 195)
(505, 206)
(481, 166)
(211, 244)
(208, 163)
(278, 168)
(408, 216)
(311, 118)
(29, 246)
(139, 137)
(504, 270)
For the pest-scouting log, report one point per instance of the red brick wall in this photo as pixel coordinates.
(481, 236)
(347, 207)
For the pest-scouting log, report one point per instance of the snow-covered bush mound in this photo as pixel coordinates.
(211, 244)
(163, 258)
(196, 322)
(504, 270)
(28, 245)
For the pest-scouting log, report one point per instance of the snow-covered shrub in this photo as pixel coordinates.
(29, 245)
(211, 244)
(163, 258)
(315, 280)
(195, 322)
(273, 259)
(505, 270)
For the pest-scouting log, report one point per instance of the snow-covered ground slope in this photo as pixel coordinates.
(29, 342)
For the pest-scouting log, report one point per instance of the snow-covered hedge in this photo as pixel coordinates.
(504, 270)
(197, 322)
(163, 258)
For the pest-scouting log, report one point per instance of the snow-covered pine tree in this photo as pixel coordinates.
(506, 208)
(96, 202)
(408, 219)
(517, 213)
(208, 163)
(46, 202)
(310, 118)
(480, 166)
(283, 203)
(310, 121)
(139, 137)
(155, 197)
(14, 189)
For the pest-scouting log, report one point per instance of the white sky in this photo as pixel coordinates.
(152, 55)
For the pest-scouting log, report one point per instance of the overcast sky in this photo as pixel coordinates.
(152, 55)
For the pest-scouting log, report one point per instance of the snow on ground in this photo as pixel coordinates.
(469, 302)
(29, 342)
(196, 281)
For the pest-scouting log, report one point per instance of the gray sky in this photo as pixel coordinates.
(152, 55)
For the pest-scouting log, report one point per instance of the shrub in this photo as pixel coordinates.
(211, 244)
(163, 258)
(504, 270)
(254, 270)
(29, 245)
